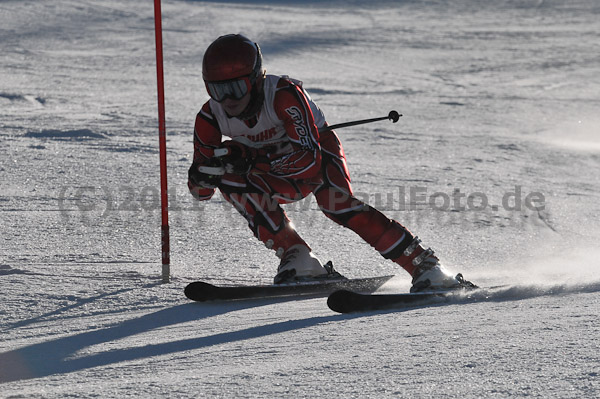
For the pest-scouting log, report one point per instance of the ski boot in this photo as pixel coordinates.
(429, 274)
(434, 277)
(299, 264)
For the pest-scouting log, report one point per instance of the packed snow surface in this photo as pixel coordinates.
(495, 164)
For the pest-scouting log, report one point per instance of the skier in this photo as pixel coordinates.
(276, 155)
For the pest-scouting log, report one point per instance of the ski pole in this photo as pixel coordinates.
(393, 116)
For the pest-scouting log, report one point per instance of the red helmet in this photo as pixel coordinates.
(231, 67)
(230, 57)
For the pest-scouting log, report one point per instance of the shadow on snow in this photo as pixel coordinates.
(59, 356)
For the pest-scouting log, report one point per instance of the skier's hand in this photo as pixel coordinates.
(206, 176)
(241, 159)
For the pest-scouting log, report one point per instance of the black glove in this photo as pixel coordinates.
(211, 174)
(241, 159)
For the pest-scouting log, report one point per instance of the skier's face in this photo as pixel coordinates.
(235, 107)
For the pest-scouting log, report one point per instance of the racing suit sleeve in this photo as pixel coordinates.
(207, 137)
(292, 107)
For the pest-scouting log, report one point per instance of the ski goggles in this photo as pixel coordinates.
(234, 89)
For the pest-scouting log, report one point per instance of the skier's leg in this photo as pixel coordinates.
(267, 220)
(387, 236)
(390, 238)
(270, 224)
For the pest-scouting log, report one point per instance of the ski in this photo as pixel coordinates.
(346, 301)
(202, 291)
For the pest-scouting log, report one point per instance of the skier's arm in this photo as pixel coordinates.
(207, 137)
(293, 109)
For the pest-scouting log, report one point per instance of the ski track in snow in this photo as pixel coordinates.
(499, 103)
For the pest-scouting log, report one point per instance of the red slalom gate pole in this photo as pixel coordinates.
(162, 140)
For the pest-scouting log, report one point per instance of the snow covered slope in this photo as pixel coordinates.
(495, 164)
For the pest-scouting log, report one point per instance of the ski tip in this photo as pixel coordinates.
(341, 301)
(199, 291)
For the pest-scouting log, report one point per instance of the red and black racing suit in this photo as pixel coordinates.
(304, 162)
